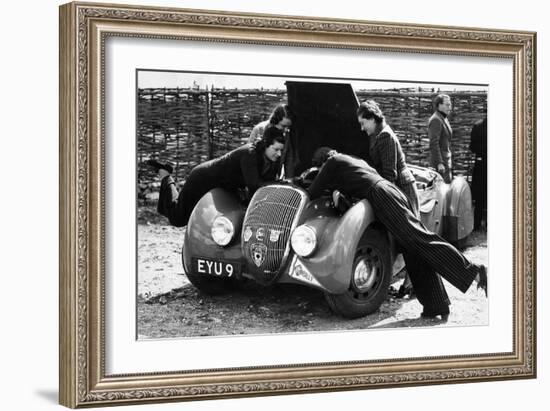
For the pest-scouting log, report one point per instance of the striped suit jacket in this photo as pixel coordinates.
(387, 157)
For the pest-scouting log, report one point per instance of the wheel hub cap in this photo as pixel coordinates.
(364, 274)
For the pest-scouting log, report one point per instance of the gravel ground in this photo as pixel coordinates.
(169, 306)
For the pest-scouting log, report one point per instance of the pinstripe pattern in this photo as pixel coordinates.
(387, 157)
(412, 195)
(425, 253)
(391, 208)
(429, 288)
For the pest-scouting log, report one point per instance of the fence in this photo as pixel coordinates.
(190, 126)
(407, 111)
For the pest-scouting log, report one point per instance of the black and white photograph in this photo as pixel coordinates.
(272, 204)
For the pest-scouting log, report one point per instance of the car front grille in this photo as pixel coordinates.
(269, 221)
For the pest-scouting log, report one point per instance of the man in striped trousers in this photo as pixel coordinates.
(425, 253)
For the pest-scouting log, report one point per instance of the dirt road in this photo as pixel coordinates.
(169, 306)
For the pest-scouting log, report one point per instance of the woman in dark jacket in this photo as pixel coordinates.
(247, 167)
(387, 157)
(385, 152)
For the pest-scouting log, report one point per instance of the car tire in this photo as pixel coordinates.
(370, 278)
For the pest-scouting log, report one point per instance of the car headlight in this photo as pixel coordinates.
(222, 230)
(303, 240)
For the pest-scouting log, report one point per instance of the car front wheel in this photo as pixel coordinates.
(370, 278)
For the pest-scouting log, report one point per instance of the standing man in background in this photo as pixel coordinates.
(440, 134)
(478, 145)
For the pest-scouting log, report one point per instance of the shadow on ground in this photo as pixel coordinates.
(251, 309)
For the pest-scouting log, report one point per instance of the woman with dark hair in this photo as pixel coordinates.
(385, 152)
(245, 168)
(387, 157)
(280, 117)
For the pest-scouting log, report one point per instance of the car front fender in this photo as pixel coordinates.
(198, 240)
(337, 239)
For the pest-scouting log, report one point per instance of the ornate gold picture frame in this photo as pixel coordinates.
(85, 28)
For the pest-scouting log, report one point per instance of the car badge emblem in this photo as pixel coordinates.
(274, 235)
(260, 234)
(259, 252)
(247, 234)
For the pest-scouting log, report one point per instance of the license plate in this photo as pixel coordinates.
(215, 267)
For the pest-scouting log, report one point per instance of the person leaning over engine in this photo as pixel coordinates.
(425, 253)
(247, 167)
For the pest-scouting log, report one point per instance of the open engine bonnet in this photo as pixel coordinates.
(325, 115)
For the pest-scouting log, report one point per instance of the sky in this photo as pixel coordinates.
(173, 79)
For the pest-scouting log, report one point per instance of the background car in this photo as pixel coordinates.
(283, 236)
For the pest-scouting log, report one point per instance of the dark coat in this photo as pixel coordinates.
(350, 175)
(478, 145)
(478, 140)
(244, 168)
(387, 157)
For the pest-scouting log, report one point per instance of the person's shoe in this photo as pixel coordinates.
(482, 280)
(406, 291)
(406, 288)
(431, 313)
(157, 165)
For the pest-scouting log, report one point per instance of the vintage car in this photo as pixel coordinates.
(281, 236)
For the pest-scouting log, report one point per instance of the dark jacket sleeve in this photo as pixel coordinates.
(387, 149)
(249, 169)
(475, 139)
(434, 133)
(324, 180)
